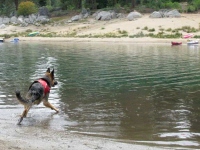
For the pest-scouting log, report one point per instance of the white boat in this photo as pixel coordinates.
(1, 40)
(193, 42)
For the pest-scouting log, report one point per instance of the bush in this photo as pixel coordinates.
(191, 8)
(26, 8)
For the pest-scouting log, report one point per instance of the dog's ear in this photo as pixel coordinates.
(52, 72)
(48, 70)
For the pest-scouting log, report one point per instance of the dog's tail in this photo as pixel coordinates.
(20, 98)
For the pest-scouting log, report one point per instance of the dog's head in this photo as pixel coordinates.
(50, 75)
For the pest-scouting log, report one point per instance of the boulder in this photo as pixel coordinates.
(165, 13)
(42, 18)
(27, 20)
(6, 20)
(173, 13)
(2, 26)
(156, 14)
(133, 15)
(121, 15)
(104, 15)
(13, 20)
(113, 14)
(1, 20)
(76, 18)
(32, 18)
(20, 19)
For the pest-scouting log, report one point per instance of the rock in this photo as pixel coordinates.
(133, 15)
(120, 15)
(113, 14)
(86, 15)
(24, 24)
(43, 11)
(13, 20)
(6, 20)
(165, 13)
(2, 26)
(1, 20)
(156, 14)
(27, 20)
(20, 19)
(69, 21)
(76, 18)
(173, 13)
(32, 18)
(103, 15)
(84, 11)
(43, 19)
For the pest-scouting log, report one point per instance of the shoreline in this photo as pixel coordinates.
(145, 40)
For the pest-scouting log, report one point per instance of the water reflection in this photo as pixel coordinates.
(145, 93)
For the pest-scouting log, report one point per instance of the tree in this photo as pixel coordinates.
(16, 4)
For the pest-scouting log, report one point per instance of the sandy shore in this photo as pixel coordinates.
(93, 27)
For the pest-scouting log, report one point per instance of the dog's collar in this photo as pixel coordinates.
(45, 85)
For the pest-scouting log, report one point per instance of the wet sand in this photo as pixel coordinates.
(38, 132)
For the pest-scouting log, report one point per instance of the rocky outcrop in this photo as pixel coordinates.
(165, 14)
(107, 15)
(156, 14)
(24, 21)
(84, 14)
(103, 15)
(133, 15)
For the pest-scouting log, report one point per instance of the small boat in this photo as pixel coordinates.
(189, 35)
(176, 43)
(15, 40)
(33, 33)
(1, 40)
(193, 42)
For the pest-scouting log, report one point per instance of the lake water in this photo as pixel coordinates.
(141, 93)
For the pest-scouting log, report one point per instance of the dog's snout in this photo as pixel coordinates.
(55, 83)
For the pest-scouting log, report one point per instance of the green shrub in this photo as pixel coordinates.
(26, 8)
(151, 30)
(191, 8)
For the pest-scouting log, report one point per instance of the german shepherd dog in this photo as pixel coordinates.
(38, 92)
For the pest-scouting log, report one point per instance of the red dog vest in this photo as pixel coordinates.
(45, 86)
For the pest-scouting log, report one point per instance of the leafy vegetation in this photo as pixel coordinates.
(11, 6)
(26, 8)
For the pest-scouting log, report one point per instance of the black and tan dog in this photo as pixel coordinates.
(38, 92)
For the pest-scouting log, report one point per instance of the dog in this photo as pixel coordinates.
(38, 91)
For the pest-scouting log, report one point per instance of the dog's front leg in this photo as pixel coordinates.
(47, 104)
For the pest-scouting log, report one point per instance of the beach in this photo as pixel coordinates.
(88, 29)
(34, 137)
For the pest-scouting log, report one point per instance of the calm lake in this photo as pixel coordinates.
(145, 93)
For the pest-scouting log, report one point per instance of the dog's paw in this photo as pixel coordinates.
(17, 92)
(19, 121)
(57, 111)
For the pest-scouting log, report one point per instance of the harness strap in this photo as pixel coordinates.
(45, 86)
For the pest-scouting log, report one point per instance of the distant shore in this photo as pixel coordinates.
(115, 30)
(144, 40)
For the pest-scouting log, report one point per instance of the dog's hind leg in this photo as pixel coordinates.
(49, 105)
(24, 114)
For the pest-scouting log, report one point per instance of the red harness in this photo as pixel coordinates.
(45, 86)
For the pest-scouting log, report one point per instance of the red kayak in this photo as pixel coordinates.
(176, 43)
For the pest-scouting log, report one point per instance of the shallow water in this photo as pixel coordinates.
(146, 93)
